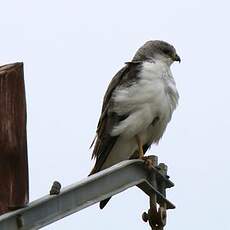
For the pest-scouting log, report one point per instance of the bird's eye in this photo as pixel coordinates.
(166, 51)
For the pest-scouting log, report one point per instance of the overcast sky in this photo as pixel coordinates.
(72, 49)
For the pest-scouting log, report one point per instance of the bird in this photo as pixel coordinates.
(137, 106)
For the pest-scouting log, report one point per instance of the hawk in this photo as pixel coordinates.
(137, 107)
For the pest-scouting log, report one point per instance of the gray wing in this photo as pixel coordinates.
(104, 141)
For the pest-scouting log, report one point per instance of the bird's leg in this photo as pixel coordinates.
(148, 162)
(140, 147)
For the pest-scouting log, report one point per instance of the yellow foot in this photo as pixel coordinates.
(149, 163)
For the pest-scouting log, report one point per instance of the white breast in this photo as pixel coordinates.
(153, 95)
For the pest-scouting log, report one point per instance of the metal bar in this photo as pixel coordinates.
(80, 195)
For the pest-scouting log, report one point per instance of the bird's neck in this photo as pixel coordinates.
(162, 59)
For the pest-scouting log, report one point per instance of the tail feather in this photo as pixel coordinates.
(104, 202)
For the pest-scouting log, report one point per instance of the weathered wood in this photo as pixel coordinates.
(13, 142)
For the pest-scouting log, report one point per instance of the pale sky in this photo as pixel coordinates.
(72, 49)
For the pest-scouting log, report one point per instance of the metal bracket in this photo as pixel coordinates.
(157, 213)
(91, 190)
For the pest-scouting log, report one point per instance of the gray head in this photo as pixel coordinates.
(157, 49)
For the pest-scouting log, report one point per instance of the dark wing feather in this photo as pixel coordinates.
(104, 141)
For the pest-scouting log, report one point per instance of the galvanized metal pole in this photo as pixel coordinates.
(85, 193)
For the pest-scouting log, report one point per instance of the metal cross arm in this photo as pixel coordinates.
(87, 192)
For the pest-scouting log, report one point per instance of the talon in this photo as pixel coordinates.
(149, 163)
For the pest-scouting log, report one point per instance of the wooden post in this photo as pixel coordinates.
(14, 192)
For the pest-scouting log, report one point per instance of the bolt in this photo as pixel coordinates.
(55, 189)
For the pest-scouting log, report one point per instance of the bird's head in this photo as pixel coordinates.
(157, 50)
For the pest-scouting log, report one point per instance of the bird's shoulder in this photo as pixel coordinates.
(124, 77)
